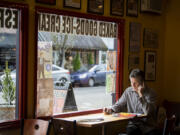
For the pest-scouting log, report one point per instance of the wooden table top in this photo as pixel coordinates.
(92, 120)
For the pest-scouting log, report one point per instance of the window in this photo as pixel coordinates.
(86, 52)
(12, 62)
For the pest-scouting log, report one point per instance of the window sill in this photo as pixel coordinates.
(10, 124)
(69, 114)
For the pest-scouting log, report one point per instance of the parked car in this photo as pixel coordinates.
(60, 76)
(95, 75)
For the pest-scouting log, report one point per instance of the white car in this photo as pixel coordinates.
(61, 76)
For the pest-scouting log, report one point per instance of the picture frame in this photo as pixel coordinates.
(95, 6)
(150, 65)
(72, 4)
(50, 2)
(134, 36)
(133, 61)
(151, 6)
(150, 38)
(132, 8)
(117, 7)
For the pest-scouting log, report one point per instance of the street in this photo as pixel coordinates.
(92, 97)
(87, 97)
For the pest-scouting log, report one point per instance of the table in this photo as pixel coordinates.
(102, 120)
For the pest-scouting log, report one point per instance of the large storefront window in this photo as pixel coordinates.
(11, 63)
(76, 63)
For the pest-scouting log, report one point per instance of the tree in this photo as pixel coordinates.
(8, 86)
(90, 59)
(62, 43)
(77, 62)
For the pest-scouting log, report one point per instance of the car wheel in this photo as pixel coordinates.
(63, 81)
(91, 82)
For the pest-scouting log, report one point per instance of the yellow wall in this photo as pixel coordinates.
(171, 60)
(156, 22)
(168, 63)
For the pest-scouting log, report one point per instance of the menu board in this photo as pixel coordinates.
(64, 100)
(59, 100)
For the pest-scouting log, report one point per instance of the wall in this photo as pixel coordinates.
(171, 60)
(148, 21)
(165, 52)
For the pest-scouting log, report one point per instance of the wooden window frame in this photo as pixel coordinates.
(120, 53)
(23, 43)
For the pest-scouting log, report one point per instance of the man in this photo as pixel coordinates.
(68, 65)
(138, 99)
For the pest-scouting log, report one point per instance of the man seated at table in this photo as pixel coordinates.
(138, 99)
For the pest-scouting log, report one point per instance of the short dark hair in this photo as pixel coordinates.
(137, 73)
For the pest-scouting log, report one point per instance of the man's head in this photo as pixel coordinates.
(137, 78)
(70, 58)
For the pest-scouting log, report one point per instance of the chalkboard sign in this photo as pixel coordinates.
(64, 100)
(59, 100)
(70, 102)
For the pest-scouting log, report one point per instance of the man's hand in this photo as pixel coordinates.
(107, 110)
(140, 89)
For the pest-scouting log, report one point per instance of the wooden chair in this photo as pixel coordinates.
(169, 125)
(34, 127)
(64, 127)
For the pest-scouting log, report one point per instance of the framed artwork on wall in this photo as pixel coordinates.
(117, 7)
(132, 8)
(72, 3)
(133, 61)
(96, 6)
(51, 2)
(150, 65)
(151, 6)
(134, 36)
(150, 39)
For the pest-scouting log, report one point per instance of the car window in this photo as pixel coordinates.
(100, 68)
(93, 68)
(83, 69)
(54, 68)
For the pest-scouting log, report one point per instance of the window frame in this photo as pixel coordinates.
(23, 43)
(120, 53)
